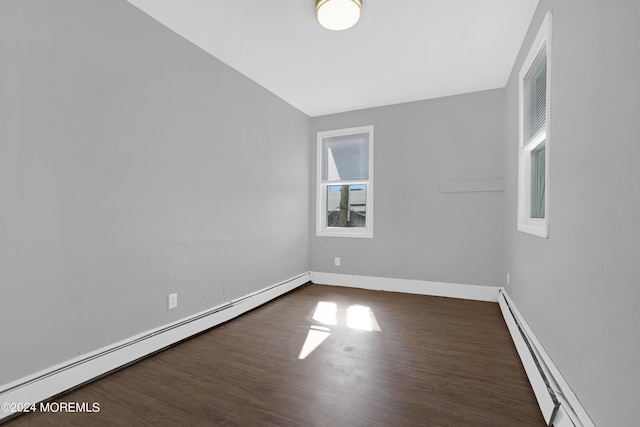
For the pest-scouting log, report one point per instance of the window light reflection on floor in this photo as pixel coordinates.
(326, 313)
(362, 318)
(315, 337)
(358, 317)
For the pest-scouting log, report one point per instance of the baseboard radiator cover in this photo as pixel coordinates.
(558, 404)
(57, 379)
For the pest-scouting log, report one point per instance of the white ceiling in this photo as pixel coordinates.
(399, 51)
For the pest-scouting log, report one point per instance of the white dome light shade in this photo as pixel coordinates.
(338, 14)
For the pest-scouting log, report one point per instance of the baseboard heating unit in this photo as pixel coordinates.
(72, 373)
(558, 404)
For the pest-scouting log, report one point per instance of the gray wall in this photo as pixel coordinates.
(132, 165)
(579, 290)
(418, 232)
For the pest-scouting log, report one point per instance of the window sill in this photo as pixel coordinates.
(536, 228)
(365, 234)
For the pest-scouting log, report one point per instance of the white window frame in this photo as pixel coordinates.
(321, 189)
(535, 226)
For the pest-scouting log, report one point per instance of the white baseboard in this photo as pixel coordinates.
(535, 359)
(57, 379)
(420, 287)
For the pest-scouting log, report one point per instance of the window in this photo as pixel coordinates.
(345, 183)
(533, 162)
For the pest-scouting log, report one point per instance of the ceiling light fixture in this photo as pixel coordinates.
(338, 14)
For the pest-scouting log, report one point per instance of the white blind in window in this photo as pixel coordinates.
(535, 95)
(345, 157)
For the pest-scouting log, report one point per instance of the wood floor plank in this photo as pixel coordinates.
(434, 362)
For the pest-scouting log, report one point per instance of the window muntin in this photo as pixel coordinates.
(345, 191)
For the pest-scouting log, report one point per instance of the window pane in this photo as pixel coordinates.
(345, 157)
(346, 205)
(538, 180)
(535, 95)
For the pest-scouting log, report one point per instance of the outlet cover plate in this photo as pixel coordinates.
(172, 301)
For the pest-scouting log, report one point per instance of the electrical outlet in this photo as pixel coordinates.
(336, 261)
(173, 301)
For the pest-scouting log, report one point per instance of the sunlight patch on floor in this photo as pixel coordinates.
(357, 317)
(315, 337)
(326, 313)
(362, 318)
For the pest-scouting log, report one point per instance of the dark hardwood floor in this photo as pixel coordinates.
(434, 362)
